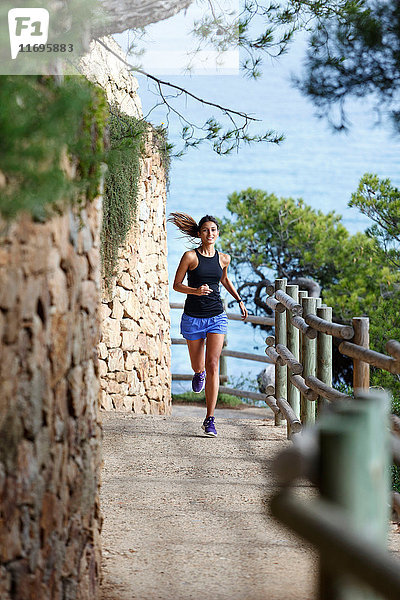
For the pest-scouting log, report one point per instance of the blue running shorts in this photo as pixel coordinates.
(196, 328)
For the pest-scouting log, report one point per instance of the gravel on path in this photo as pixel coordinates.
(186, 516)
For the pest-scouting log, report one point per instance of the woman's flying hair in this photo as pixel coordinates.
(184, 223)
(188, 225)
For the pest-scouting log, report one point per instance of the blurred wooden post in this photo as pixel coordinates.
(280, 338)
(324, 355)
(354, 475)
(360, 368)
(292, 333)
(302, 294)
(307, 408)
(223, 366)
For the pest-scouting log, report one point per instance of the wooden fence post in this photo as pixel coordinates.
(302, 294)
(293, 337)
(324, 355)
(360, 368)
(307, 408)
(280, 338)
(354, 474)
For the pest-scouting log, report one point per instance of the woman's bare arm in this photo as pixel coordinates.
(228, 285)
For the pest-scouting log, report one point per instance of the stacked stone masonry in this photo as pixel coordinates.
(134, 352)
(50, 432)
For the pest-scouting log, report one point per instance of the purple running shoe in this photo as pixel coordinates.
(198, 382)
(209, 427)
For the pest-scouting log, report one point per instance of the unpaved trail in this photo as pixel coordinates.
(186, 516)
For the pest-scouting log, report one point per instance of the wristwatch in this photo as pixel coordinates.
(239, 301)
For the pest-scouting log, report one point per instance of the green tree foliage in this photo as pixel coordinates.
(361, 279)
(379, 200)
(41, 122)
(272, 237)
(385, 325)
(358, 55)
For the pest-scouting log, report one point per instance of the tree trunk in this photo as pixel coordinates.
(132, 14)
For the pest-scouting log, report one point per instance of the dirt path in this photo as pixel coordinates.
(185, 516)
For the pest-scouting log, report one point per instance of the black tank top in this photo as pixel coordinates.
(207, 271)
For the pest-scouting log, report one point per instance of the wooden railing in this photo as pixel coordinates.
(343, 445)
(346, 448)
(302, 353)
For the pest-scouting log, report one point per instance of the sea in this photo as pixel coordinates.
(314, 163)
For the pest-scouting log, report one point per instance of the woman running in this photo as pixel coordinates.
(204, 316)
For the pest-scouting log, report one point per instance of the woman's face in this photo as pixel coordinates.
(209, 232)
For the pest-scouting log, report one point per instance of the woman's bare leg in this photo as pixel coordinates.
(196, 353)
(213, 352)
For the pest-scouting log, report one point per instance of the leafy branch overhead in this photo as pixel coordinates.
(223, 140)
(353, 49)
(266, 29)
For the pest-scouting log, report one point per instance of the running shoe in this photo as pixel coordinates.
(209, 427)
(198, 382)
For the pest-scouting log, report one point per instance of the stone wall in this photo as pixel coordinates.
(104, 68)
(134, 352)
(135, 356)
(49, 425)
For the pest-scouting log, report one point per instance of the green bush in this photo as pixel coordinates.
(41, 122)
(121, 186)
(127, 138)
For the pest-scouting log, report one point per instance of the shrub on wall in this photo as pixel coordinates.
(48, 127)
(127, 139)
(42, 121)
(121, 186)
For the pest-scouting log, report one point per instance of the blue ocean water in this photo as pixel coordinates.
(313, 163)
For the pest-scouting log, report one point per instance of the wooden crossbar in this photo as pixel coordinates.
(275, 305)
(246, 356)
(294, 365)
(325, 390)
(371, 357)
(289, 414)
(324, 525)
(268, 399)
(292, 305)
(274, 356)
(336, 329)
(300, 323)
(393, 348)
(300, 384)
